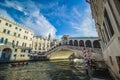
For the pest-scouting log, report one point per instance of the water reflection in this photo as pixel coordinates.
(43, 70)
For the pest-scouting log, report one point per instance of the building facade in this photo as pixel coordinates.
(13, 35)
(40, 44)
(65, 39)
(55, 43)
(106, 14)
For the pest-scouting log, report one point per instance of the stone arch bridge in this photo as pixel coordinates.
(95, 53)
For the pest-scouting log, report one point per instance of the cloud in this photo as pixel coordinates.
(5, 14)
(58, 37)
(32, 17)
(84, 27)
(76, 12)
(71, 19)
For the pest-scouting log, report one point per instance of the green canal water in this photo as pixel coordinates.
(44, 70)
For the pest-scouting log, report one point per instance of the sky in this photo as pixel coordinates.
(55, 17)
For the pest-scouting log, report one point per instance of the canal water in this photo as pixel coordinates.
(44, 70)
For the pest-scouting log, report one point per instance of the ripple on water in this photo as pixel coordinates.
(43, 70)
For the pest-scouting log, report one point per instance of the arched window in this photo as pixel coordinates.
(96, 44)
(81, 43)
(75, 43)
(71, 43)
(88, 43)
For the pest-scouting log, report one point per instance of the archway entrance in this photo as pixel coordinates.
(71, 43)
(96, 44)
(6, 53)
(81, 43)
(75, 43)
(88, 43)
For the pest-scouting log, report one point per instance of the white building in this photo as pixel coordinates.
(106, 14)
(12, 37)
(40, 44)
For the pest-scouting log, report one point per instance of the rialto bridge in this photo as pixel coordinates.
(91, 42)
(94, 53)
(76, 45)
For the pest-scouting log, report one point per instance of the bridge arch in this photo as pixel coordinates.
(96, 44)
(88, 43)
(75, 43)
(81, 43)
(71, 42)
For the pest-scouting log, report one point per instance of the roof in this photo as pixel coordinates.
(82, 37)
(15, 23)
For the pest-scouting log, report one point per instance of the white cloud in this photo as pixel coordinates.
(58, 37)
(77, 13)
(5, 14)
(86, 27)
(35, 20)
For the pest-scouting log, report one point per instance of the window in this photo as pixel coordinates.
(1, 40)
(25, 44)
(14, 34)
(4, 31)
(0, 21)
(13, 42)
(20, 55)
(10, 25)
(117, 4)
(6, 41)
(6, 24)
(18, 35)
(111, 60)
(15, 55)
(24, 37)
(118, 62)
(22, 44)
(8, 32)
(20, 29)
(108, 23)
(22, 50)
(16, 28)
(17, 43)
(106, 32)
(15, 50)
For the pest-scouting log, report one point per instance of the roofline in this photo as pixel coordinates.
(15, 23)
(81, 37)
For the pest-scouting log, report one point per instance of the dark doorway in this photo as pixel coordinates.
(71, 43)
(88, 43)
(81, 43)
(96, 44)
(75, 43)
(6, 54)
